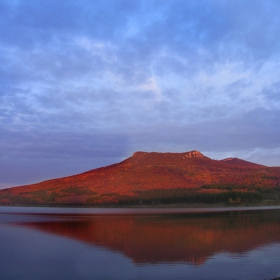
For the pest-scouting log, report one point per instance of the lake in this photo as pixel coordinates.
(99, 243)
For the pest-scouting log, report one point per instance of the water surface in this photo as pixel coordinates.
(67, 243)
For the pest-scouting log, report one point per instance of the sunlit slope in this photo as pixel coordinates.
(148, 176)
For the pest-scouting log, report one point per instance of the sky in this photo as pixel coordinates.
(84, 84)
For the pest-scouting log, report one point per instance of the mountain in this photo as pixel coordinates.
(241, 162)
(154, 178)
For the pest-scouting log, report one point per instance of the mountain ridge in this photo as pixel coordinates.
(241, 162)
(149, 176)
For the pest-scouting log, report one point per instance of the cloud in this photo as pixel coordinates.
(123, 75)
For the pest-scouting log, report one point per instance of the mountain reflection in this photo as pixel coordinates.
(171, 238)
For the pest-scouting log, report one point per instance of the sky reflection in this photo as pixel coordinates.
(28, 254)
(241, 245)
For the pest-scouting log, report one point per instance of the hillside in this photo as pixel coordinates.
(241, 162)
(154, 178)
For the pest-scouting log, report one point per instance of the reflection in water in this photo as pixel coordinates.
(191, 238)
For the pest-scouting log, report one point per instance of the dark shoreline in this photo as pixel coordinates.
(128, 211)
(155, 205)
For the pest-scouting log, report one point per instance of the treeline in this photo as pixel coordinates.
(34, 198)
(42, 197)
(175, 196)
(218, 193)
(233, 187)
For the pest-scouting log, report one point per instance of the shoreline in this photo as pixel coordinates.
(129, 211)
(155, 205)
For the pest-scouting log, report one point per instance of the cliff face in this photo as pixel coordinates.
(145, 172)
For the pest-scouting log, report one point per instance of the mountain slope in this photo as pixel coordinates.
(147, 176)
(240, 162)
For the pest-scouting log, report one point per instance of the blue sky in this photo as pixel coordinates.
(84, 84)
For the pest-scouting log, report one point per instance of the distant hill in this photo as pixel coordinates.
(241, 162)
(154, 178)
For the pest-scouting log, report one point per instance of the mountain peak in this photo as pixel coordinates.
(195, 154)
(138, 153)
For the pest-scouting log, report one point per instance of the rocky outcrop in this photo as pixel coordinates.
(195, 154)
(191, 154)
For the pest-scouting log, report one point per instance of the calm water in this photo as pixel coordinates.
(61, 243)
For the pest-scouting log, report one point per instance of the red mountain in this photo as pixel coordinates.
(152, 177)
(241, 162)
